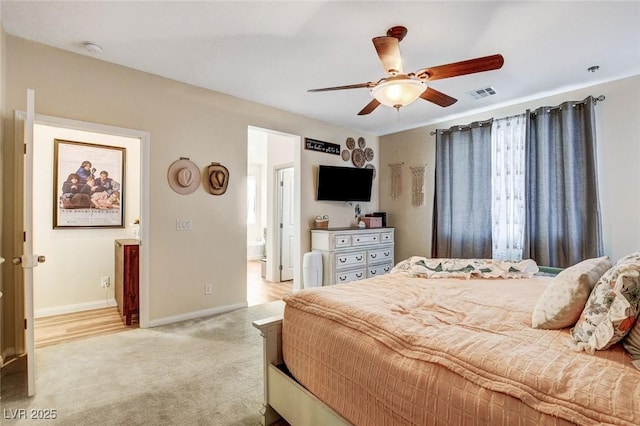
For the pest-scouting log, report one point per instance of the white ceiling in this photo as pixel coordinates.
(271, 52)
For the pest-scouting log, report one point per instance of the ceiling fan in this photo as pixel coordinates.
(398, 89)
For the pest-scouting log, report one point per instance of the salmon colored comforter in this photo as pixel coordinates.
(397, 350)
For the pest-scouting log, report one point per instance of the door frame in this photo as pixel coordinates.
(145, 139)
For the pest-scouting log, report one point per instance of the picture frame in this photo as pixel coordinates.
(88, 185)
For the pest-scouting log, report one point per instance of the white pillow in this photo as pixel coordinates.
(564, 298)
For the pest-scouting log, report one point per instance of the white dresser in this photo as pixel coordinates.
(350, 254)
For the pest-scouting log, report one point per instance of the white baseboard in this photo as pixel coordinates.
(196, 314)
(69, 309)
(254, 256)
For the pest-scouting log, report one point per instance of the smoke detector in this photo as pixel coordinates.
(92, 48)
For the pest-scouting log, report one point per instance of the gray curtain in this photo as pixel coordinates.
(462, 203)
(563, 211)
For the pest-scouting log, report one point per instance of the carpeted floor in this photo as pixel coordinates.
(206, 371)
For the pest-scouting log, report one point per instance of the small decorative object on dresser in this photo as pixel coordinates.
(372, 221)
(322, 222)
(350, 254)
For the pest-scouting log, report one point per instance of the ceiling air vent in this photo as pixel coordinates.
(482, 93)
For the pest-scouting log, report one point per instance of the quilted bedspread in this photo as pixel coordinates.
(395, 349)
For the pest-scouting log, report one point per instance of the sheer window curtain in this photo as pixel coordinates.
(462, 202)
(563, 210)
(508, 150)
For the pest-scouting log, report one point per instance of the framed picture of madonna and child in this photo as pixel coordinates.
(88, 185)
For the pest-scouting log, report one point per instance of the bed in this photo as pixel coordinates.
(405, 349)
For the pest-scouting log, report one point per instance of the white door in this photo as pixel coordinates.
(28, 260)
(287, 223)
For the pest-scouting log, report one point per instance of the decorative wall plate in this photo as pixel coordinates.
(351, 143)
(345, 154)
(357, 157)
(368, 154)
(371, 166)
(361, 142)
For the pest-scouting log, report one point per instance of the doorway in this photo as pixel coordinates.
(66, 286)
(271, 177)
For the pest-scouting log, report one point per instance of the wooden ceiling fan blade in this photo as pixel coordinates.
(438, 98)
(349, 86)
(388, 49)
(470, 66)
(370, 107)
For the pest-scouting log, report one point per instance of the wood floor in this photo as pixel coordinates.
(64, 328)
(262, 291)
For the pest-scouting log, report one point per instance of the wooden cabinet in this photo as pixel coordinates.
(127, 254)
(350, 254)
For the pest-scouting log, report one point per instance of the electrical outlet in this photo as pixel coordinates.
(208, 288)
(105, 282)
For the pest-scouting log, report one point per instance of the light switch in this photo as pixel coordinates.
(183, 224)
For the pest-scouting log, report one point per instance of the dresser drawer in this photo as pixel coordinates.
(345, 277)
(347, 260)
(342, 240)
(386, 237)
(380, 255)
(375, 270)
(365, 239)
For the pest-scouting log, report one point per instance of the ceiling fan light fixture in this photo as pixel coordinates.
(398, 91)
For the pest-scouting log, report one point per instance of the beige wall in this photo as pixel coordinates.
(618, 127)
(183, 121)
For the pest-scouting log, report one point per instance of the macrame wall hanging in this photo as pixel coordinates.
(417, 185)
(396, 180)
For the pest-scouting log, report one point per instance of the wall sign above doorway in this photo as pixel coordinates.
(320, 146)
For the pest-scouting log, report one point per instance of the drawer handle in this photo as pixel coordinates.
(342, 277)
(387, 253)
(359, 275)
(387, 269)
(375, 238)
(374, 255)
(342, 259)
(358, 258)
(373, 272)
(358, 239)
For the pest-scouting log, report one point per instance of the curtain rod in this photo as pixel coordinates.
(600, 98)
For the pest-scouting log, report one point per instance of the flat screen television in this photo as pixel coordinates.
(344, 183)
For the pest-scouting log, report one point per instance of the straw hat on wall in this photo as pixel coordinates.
(218, 178)
(184, 176)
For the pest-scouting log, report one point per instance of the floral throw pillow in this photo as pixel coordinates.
(565, 297)
(423, 267)
(612, 308)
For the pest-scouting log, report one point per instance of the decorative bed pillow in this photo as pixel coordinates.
(403, 266)
(612, 307)
(564, 299)
(423, 267)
